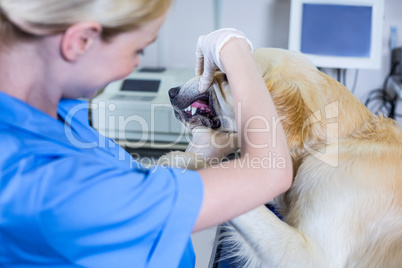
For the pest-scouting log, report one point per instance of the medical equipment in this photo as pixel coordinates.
(136, 111)
(384, 100)
(338, 33)
(396, 71)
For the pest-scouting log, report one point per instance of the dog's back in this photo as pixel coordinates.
(373, 162)
(352, 210)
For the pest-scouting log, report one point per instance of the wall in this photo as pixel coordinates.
(265, 23)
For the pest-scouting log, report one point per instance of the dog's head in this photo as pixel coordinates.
(310, 103)
(212, 109)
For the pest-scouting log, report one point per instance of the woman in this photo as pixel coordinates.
(64, 205)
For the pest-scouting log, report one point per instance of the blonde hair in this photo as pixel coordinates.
(30, 19)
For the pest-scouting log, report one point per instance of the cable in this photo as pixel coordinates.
(355, 81)
(338, 75)
(396, 105)
(321, 69)
(344, 71)
(388, 103)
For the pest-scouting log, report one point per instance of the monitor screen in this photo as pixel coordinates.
(140, 85)
(323, 33)
(338, 34)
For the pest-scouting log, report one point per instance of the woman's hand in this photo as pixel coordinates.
(208, 54)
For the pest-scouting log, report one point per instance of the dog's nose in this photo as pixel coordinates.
(173, 92)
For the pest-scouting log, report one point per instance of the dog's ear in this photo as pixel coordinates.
(313, 106)
(292, 113)
(293, 83)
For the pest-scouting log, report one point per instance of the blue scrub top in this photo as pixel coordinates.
(71, 197)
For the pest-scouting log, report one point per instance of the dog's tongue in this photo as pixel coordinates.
(199, 104)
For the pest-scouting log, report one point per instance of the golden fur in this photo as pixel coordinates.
(344, 208)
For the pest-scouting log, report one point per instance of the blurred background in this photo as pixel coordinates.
(138, 108)
(266, 24)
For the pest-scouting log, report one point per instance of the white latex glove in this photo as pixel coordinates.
(211, 145)
(208, 54)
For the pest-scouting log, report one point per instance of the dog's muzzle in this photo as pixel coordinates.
(195, 110)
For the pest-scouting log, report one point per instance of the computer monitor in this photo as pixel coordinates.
(338, 33)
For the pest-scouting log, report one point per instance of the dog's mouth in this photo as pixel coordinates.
(201, 111)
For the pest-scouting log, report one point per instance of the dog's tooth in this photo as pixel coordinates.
(193, 110)
(187, 109)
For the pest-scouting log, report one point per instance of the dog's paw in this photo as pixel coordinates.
(180, 159)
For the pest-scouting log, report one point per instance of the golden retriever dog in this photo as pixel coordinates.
(344, 208)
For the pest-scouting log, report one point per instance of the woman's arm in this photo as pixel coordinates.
(240, 185)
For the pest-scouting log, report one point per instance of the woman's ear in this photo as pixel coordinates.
(78, 39)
